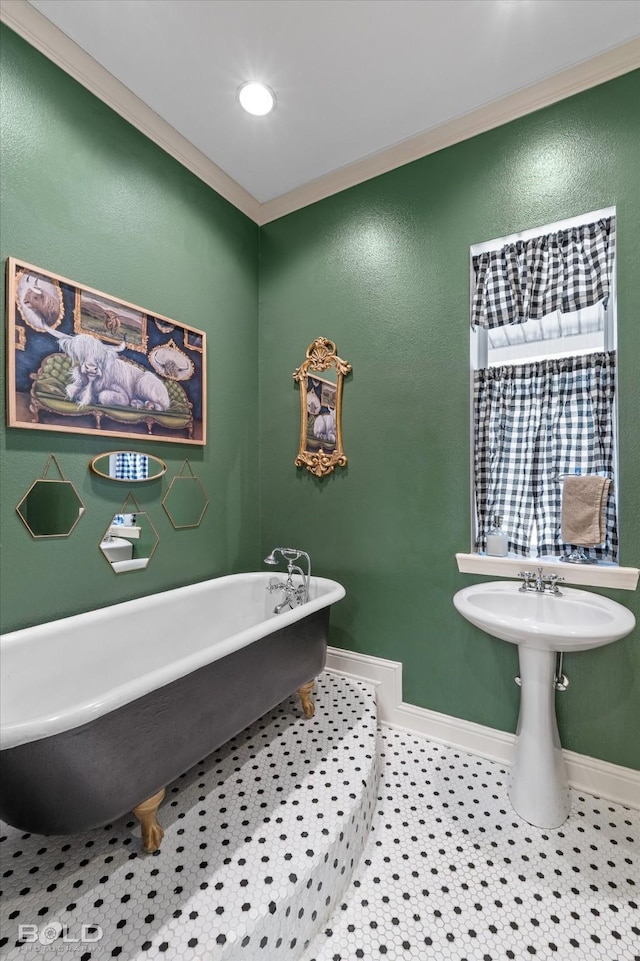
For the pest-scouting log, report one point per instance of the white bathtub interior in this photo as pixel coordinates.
(94, 662)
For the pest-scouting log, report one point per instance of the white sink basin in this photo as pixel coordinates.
(117, 549)
(543, 626)
(572, 621)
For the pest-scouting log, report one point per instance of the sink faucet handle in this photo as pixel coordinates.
(527, 577)
(552, 581)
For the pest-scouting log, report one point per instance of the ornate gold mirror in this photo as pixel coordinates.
(51, 507)
(320, 377)
(130, 538)
(186, 501)
(128, 466)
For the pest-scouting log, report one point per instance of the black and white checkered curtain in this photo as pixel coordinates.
(529, 279)
(534, 422)
(131, 466)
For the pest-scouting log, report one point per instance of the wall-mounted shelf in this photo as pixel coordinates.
(596, 575)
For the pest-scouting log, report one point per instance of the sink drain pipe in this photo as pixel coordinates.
(560, 680)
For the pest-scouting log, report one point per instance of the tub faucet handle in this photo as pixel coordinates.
(274, 585)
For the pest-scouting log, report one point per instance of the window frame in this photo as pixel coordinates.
(479, 349)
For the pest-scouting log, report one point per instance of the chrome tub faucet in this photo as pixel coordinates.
(293, 596)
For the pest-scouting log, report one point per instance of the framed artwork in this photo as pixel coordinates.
(82, 361)
(320, 377)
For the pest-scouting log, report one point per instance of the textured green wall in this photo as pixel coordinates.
(383, 270)
(87, 196)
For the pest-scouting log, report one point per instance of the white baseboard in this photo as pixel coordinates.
(605, 780)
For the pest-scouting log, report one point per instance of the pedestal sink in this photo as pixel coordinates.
(542, 625)
(117, 549)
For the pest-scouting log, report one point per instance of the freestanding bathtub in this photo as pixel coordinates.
(101, 710)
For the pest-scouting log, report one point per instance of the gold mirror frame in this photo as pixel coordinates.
(123, 532)
(320, 448)
(197, 499)
(46, 496)
(95, 467)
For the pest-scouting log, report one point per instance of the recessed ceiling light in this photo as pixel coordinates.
(256, 98)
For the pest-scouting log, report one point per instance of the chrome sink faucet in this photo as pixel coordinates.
(293, 596)
(540, 583)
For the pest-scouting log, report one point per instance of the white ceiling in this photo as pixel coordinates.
(352, 77)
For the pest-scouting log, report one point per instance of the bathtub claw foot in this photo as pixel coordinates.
(146, 812)
(304, 693)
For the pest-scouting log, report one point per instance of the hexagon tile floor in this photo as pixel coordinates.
(448, 873)
(261, 840)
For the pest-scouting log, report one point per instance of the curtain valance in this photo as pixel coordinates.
(529, 279)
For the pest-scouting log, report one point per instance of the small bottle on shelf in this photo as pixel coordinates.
(497, 540)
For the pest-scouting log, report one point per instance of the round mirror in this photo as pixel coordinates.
(128, 465)
(129, 542)
(50, 508)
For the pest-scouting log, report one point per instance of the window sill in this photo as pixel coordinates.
(587, 575)
(124, 530)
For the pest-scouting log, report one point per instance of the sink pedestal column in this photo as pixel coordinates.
(538, 785)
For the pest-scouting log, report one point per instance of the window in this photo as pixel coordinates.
(543, 380)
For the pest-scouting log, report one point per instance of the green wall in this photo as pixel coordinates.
(87, 196)
(383, 270)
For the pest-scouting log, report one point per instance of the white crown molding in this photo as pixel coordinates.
(613, 63)
(30, 24)
(611, 781)
(33, 27)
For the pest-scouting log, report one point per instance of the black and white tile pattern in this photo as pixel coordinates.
(262, 839)
(450, 873)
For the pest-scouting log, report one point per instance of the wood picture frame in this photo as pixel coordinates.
(85, 362)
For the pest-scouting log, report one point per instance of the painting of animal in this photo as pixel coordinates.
(98, 315)
(322, 424)
(109, 318)
(313, 403)
(324, 427)
(112, 322)
(100, 376)
(82, 361)
(171, 362)
(42, 303)
(171, 369)
(93, 309)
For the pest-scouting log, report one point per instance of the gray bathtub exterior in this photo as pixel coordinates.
(89, 776)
